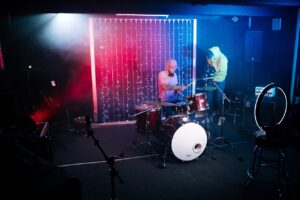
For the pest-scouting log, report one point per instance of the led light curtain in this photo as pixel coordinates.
(129, 54)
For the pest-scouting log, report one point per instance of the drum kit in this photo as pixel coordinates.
(186, 137)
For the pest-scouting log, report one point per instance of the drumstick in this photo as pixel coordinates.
(190, 84)
(193, 82)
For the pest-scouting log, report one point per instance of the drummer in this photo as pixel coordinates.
(168, 88)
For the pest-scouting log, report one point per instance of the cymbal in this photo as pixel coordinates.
(206, 78)
(143, 107)
(206, 88)
(159, 103)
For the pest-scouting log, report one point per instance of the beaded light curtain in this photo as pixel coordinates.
(129, 54)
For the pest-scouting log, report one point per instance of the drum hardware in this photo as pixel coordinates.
(235, 109)
(182, 108)
(147, 123)
(206, 87)
(203, 106)
(221, 139)
(209, 121)
(198, 103)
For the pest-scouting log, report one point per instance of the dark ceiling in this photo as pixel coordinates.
(98, 6)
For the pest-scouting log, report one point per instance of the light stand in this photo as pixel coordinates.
(247, 97)
(110, 161)
(251, 75)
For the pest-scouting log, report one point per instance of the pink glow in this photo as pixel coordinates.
(93, 71)
(1, 59)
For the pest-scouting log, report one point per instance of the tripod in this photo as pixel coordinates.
(109, 160)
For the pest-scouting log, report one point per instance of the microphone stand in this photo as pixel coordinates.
(221, 137)
(110, 161)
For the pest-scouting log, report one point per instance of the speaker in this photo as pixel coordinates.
(253, 45)
(248, 121)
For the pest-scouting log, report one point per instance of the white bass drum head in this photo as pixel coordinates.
(189, 141)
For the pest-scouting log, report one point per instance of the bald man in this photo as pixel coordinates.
(168, 88)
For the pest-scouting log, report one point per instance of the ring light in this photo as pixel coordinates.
(257, 107)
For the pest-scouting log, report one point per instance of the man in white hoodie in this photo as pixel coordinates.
(217, 60)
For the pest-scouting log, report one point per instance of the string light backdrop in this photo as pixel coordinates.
(128, 54)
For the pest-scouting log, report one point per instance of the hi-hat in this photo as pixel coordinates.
(159, 103)
(206, 78)
(206, 88)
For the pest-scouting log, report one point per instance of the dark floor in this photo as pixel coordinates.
(218, 173)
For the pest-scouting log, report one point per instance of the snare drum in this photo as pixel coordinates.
(181, 108)
(188, 139)
(148, 118)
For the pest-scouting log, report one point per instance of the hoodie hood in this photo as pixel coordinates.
(216, 51)
(219, 61)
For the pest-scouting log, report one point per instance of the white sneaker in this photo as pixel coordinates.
(208, 135)
(221, 121)
(205, 119)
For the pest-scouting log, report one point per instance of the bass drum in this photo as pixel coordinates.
(188, 141)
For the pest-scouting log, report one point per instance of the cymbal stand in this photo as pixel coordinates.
(206, 115)
(205, 111)
(147, 133)
(221, 138)
(110, 161)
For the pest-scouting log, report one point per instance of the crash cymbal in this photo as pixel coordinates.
(206, 88)
(159, 103)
